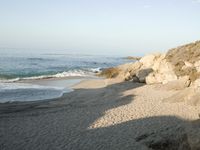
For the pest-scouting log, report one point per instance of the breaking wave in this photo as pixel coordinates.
(71, 73)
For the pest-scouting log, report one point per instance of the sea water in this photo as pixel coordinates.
(31, 77)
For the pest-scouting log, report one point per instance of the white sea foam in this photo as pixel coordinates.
(10, 92)
(72, 73)
(75, 73)
(12, 86)
(96, 70)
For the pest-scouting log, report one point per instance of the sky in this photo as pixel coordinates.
(113, 27)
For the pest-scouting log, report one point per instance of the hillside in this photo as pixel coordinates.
(186, 60)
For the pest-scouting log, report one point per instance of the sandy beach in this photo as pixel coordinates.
(99, 75)
(101, 115)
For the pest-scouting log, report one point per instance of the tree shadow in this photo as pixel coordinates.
(64, 124)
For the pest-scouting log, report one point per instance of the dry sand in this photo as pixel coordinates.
(101, 115)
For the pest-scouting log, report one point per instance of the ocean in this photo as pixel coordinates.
(31, 77)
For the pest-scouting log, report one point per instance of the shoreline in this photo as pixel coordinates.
(37, 90)
(105, 114)
(16, 106)
(152, 104)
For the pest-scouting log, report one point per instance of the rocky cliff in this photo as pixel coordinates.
(178, 69)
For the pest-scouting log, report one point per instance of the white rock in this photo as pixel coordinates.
(163, 72)
(148, 61)
(157, 62)
(129, 70)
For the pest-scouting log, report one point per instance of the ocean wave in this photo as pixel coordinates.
(75, 73)
(71, 73)
(8, 80)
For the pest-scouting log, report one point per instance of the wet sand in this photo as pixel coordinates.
(100, 115)
(38, 89)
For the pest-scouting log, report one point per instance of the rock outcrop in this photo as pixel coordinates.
(164, 68)
(150, 69)
(178, 69)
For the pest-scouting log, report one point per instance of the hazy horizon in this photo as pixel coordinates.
(113, 27)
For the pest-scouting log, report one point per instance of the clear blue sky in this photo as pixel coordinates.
(121, 27)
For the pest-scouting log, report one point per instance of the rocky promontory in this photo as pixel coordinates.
(178, 69)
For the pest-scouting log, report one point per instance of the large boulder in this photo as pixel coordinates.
(150, 69)
(148, 61)
(155, 69)
(128, 71)
(163, 72)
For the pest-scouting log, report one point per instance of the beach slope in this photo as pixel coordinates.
(101, 114)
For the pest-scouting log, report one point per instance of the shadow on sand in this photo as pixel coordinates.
(63, 124)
